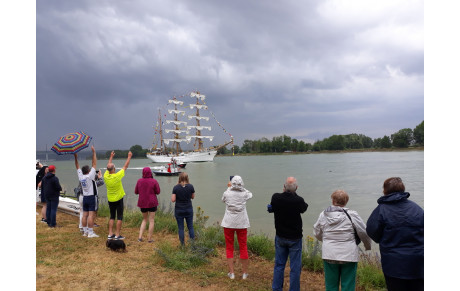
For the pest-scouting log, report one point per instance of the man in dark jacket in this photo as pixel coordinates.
(397, 225)
(287, 207)
(51, 188)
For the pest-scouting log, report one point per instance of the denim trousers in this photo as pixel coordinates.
(51, 210)
(285, 248)
(188, 216)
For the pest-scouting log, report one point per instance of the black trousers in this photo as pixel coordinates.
(397, 284)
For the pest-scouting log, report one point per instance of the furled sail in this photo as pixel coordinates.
(168, 140)
(201, 137)
(197, 95)
(176, 131)
(176, 102)
(176, 111)
(176, 122)
(198, 127)
(199, 117)
(198, 106)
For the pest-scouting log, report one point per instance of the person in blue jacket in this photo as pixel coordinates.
(51, 189)
(397, 225)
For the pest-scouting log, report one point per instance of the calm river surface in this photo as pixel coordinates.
(361, 175)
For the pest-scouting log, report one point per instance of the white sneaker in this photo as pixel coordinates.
(85, 234)
(93, 235)
(245, 276)
(231, 275)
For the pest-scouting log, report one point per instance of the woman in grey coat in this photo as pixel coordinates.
(336, 229)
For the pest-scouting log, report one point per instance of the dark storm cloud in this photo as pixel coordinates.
(307, 70)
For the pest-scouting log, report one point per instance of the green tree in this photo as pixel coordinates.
(386, 142)
(286, 143)
(294, 145)
(335, 142)
(236, 149)
(265, 145)
(367, 141)
(302, 146)
(403, 138)
(418, 133)
(317, 146)
(277, 144)
(137, 151)
(247, 146)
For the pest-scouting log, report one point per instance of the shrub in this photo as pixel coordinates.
(311, 255)
(369, 273)
(262, 246)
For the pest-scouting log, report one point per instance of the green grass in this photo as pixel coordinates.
(207, 238)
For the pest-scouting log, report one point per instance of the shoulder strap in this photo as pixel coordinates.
(350, 219)
(94, 188)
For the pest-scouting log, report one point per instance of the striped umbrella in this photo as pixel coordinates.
(71, 143)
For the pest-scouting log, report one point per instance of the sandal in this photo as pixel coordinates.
(151, 241)
(140, 240)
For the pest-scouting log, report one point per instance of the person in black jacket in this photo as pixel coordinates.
(287, 207)
(51, 188)
(397, 225)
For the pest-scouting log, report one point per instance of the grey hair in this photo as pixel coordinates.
(290, 185)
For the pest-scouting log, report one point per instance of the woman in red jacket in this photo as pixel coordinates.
(148, 189)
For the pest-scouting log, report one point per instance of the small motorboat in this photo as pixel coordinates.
(182, 165)
(167, 170)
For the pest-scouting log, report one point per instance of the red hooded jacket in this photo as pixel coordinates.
(148, 189)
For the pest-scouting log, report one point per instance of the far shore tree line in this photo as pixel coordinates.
(403, 138)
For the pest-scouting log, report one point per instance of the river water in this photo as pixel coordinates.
(361, 175)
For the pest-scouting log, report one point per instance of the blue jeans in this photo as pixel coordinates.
(188, 216)
(51, 210)
(285, 248)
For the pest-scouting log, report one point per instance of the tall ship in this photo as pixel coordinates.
(183, 124)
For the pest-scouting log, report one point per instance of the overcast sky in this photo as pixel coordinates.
(307, 69)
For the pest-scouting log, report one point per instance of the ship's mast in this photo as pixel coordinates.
(198, 132)
(162, 146)
(176, 133)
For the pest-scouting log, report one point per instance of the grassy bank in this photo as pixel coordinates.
(66, 260)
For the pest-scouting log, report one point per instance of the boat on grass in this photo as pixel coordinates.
(66, 204)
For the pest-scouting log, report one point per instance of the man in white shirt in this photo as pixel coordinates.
(86, 176)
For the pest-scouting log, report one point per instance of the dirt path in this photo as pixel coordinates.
(65, 260)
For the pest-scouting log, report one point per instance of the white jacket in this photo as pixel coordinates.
(235, 198)
(335, 230)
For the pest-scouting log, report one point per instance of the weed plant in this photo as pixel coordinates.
(261, 245)
(369, 273)
(180, 258)
(311, 255)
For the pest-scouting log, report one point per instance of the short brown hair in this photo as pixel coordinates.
(340, 198)
(392, 185)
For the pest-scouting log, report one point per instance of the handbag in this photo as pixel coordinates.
(357, 239)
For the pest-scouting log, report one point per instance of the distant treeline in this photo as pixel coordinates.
(401, 139)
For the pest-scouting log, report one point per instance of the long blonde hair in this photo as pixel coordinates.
(183, 178)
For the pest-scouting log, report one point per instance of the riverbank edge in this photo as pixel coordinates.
(422, 148)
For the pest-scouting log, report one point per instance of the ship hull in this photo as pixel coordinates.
(191, 157)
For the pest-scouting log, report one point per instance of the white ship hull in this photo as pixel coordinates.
(191, 157)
